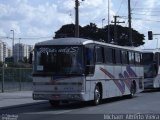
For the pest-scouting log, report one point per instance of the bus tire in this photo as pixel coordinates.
(54, 103)
(132, 90)
(97, 95)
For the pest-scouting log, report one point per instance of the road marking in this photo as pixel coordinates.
(51, 112)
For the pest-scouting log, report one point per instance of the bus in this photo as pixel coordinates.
(76, 69)
(151, 61)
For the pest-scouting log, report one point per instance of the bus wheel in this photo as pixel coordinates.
(132, 90)
(97, 95)
(54, 103)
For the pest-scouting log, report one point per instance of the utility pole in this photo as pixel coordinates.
(115, 27)
(77, 4)
(77, 18)
(108, 22)
(129, 22)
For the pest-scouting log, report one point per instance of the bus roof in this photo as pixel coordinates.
(150, 50)
(79, 41)
(64, 41)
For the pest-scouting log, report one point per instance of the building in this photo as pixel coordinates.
(5, 51)
(1, 51)
(21, 52)
(9, 52)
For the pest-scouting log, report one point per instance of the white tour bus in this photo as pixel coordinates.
(151, 62)
(75, 69)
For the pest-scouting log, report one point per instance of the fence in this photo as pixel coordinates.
(13, 79)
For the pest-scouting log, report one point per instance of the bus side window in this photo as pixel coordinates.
(118, 56)
(113, 56)
(124, 57)
(89, 58)
(99, 54)
(137, 58)
(109, 55)
(131, 58)
(139, 54)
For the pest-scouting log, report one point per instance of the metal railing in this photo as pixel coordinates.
(13, 79)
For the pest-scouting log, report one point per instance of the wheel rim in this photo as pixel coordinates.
(97, 95)
(132, 90)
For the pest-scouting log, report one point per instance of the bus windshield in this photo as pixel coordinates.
(61, 60)
(147, 58)
(150, 66)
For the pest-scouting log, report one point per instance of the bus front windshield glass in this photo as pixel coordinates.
(150, 68)
(59, 60)
(147, 58)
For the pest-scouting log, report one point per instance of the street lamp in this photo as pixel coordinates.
(12, 43)
(102, 22)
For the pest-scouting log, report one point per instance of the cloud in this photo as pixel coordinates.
(43, 17)
(3, 10)
(32, 31)
(147, 10)
(26, 18)
(2, 33)
(95, 11)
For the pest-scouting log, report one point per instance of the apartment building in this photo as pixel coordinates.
(5, 51)
(21, 51)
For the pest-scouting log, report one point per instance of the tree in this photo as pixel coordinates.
(91, 31)
(66, 31)
(123, 37)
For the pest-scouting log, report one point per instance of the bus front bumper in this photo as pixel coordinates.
(49, 96)
(148, 83)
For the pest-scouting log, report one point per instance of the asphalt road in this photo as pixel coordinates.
(146, 103)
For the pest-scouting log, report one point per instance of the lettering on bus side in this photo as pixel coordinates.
(64, 50)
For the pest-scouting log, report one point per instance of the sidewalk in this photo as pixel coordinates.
(17, 99)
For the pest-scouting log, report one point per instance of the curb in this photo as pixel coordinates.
(23, 105)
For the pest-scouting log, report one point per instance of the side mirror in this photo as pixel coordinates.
(30, 57)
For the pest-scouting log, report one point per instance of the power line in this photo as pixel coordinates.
(6, 37)
(145, 14)
(147, 20)
(35, 37)
(124, 8)
(123, 11)
(119, 7)
(147, 10)
(139, 8)
(135, 5)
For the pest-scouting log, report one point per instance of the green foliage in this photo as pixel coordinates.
(91, 31)
(19, 65)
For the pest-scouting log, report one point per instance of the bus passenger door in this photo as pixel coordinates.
(89, 68)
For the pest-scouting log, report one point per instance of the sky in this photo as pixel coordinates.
(37, 20)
